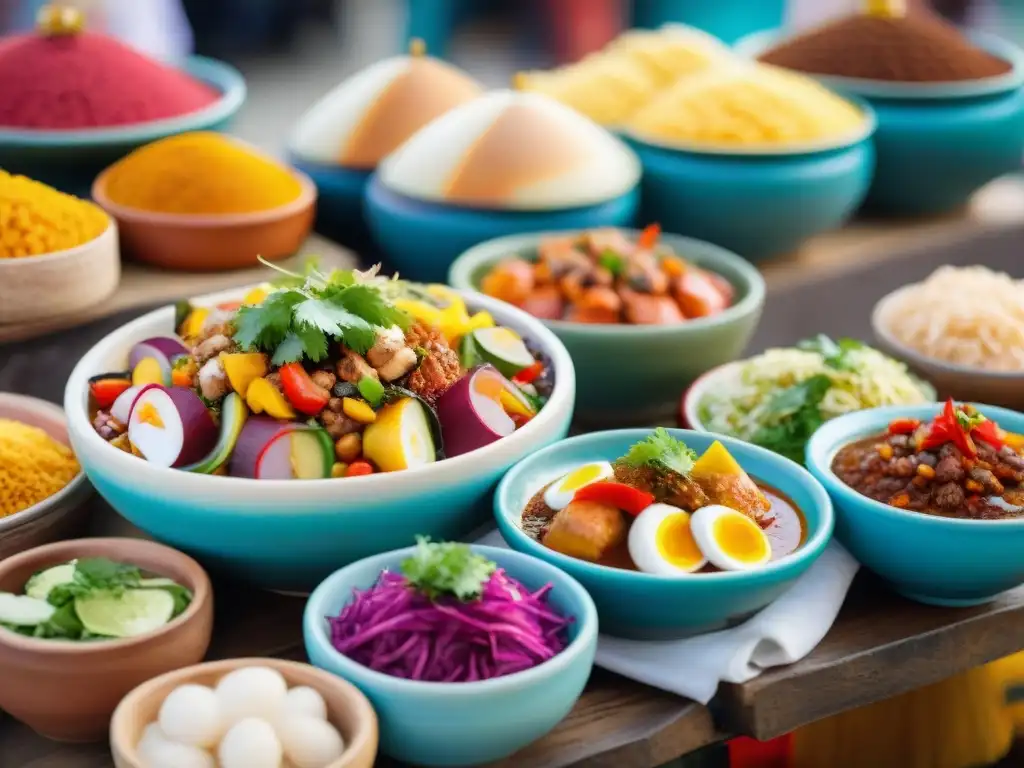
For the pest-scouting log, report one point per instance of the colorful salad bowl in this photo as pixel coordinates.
(936, 144)
(651, 363)
(646, 605)
(288, 535)
(929, 558)
(465, 723)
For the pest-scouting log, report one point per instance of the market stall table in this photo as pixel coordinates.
(880, 646)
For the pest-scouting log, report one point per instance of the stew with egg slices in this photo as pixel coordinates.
(602, 276)
(661, 509)
(960, 464)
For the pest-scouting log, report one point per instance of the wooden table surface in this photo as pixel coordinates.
(880, 646)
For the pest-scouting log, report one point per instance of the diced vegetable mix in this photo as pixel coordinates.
(322, 375)
(450, 615)
(602, 277)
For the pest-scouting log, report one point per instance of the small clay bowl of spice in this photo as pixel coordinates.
(44, 494)
(206, 202)
(66, 687)
(950, 105)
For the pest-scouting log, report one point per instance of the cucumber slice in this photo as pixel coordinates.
(24, 611)
(233, 414)
(40, 585)
(312, 454)
(469, 356)
(429, 412)
(130, 613)
(503, 349)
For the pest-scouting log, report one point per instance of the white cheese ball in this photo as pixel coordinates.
(250, 743)
(303, 700)
(157, 751)
(309, 742)
(191, 714)
(251, 692)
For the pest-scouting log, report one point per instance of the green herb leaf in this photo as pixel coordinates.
(613, 262)
(441, 569)
(291, 349)
(369, 303)
(792, 416)
(661, 451)
(833, 353)
(265, 326)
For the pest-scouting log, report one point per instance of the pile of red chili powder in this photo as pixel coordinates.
(88, 80)
(918, 48)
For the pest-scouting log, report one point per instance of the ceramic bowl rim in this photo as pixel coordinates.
(213, 72)
(202, 594)
(587, 623)
(307, 196)
(808, 552)
(75, 485)
(843, 430)
(460, 273)
(103, 238)
(355, 699)
(754, 44)
(809, 149)
(407, 481)
(919, 359)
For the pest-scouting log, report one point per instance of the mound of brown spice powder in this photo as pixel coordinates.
(911, 49)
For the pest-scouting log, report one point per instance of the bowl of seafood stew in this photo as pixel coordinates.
(930, 497)
(668, 543)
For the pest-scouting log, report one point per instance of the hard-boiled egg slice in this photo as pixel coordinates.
(661, 541)
(560, 493)
(729, 539)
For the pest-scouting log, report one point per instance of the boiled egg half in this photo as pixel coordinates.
(730, 540)
(560, 493)
(661, 541)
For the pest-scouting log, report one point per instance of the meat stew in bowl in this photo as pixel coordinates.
(960, 465)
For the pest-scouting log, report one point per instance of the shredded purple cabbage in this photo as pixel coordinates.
(394, 629)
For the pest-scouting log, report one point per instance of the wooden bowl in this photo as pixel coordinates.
(212, 242)
(66, 690)
(347, 708)
(62, 515)
(60, 283)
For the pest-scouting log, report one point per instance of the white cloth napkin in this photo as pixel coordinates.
(784, 632)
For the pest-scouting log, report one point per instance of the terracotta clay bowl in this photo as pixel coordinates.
(66, 690)
(59, 516)
(214, 242)
(60, 283)
(347, 709)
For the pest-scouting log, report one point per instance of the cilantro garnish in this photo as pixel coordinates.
(439, 569)
(661, 451)
(792, 416)
(612, 261)
(968, 421)
(834, 353)
(309, 310)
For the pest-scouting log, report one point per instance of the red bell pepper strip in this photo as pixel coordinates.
(989, 432)
(302, 392)
(903, 426)
(649, 237)
(529, 374)
(946, 428)
(625, 497)
(106, 391)
(229, 306)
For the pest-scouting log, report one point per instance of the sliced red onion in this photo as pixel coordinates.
(471, 419)
(186, 432)
(164, 349)
(258, 437)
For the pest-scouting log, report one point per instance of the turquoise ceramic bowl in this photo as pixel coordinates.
(456, 724)
(652, 363)
(647, 606)
(936, 144)
(758, 204)
(421, 239)
(725, 19)
(934, 560)
(339, 203)
(70, 160)
(289, 534)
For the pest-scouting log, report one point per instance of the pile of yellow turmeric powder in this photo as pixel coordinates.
(36, 219)
(200, 173)
(33, 466)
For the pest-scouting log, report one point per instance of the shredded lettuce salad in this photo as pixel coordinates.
(783, 395)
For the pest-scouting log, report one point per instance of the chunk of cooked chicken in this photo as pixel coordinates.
(667, 487)
(388, 343)
(352, 367)
(586, 530)
(213, 380)
(399, 364)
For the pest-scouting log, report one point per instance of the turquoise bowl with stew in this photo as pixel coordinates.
(936, 144)
(757, 203)
(646, 606)
(456, 724)
(935, 560)
(632, 374)
(288, 535)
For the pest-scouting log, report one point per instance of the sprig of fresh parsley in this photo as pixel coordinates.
(309, 310)
(661, 451)
(792, 416)
(447, 569)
